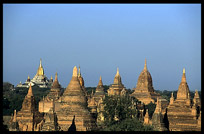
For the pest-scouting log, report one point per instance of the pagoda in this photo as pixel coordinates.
(99, 93)
(182, 114)
(74, 104)
(28, 117)
(144, 90)
(117, 86)
(52, 97)
(39, 79)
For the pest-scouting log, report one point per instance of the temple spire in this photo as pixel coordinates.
(40, 62)
(79, 74)
(117, 74)
(184, 76)
(145, 66)
(56, 76)
(30, 92)
(74, 71)
(100, 83)
(28, 77)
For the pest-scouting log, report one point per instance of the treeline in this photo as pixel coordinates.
(13, 97)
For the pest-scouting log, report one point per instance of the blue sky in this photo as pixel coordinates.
(102, 37)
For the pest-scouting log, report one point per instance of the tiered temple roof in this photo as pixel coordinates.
(181, 113)
(73, 103)
(144, 90)
(117, 86)
(52, 97)
(28, 115)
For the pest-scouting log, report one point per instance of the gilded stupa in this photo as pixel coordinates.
(182, 114)
(144, 90)
(39, 79)
(117, 86)
(74, 104)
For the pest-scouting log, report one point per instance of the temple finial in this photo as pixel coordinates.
(40, 62)
(79, 74)
(100, 83)
(184, 75)
(184, 71)
(117, 71)
(30, 92)
(74, 71)
(145, 66)
(28, 77)
(172, 94)
(56, 76)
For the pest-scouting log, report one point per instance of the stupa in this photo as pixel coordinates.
(117, 86)
(28, 116)
(39, 79)
(99, 93)
(158, 118)
(144, 90)
(181, 113)
(74, 104)
(52, 97)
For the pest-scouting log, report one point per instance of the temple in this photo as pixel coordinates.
(39, 79)
(74, 104)
(144, 90)
(28, 117)
(53, 96)
(117, 86)
(182, 114)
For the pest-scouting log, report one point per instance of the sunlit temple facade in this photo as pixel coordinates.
(39, 79)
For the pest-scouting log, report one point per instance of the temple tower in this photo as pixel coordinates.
(144, 90)
(73, 103)
(54, 95)
(180, 114)
(28, 115)
(117, 86)
(157, 118)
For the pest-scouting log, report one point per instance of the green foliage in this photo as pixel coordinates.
(128, 125)
(13, 99)
(119, 106)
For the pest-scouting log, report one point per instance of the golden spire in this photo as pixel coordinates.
(28, 77)
(145, 66)
(40, 62)
(100, 83)
(56, 76)
(184, 76)
(117, 74)
(51, 78)
(74, 71)
(184, 71)
(40, 69)
(30, 92)
(79, 74)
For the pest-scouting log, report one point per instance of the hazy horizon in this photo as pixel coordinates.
(100, 38)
